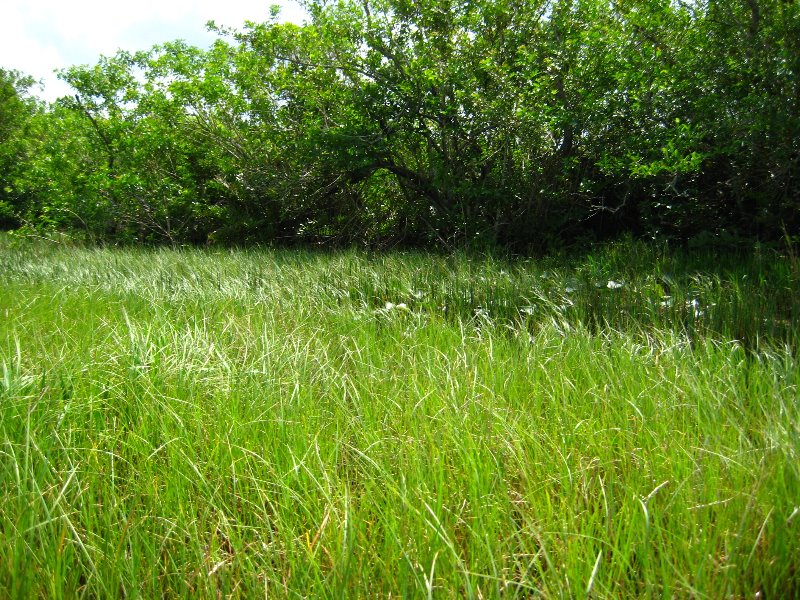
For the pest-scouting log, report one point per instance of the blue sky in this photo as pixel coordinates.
(40, 36)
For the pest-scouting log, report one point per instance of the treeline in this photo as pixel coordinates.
(513, 122)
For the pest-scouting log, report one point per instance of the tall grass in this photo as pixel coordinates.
(275, 423)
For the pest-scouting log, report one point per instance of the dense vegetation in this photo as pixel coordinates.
(512, 122)
(198, 423)
(617, 420)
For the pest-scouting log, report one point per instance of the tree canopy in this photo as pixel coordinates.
(513, 122)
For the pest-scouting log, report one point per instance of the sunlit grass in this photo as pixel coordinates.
(198, 423)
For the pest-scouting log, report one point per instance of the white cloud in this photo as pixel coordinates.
(40, 36)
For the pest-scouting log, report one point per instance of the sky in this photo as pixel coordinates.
(40, 36)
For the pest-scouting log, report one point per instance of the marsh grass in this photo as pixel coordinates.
(212, 423)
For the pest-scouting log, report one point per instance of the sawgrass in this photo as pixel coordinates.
(189, 423)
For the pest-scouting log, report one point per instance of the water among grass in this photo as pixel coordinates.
(285, 424)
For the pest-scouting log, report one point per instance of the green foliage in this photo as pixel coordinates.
(18, 144)
(463, 124)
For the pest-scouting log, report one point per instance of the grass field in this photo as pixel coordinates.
(189, 423)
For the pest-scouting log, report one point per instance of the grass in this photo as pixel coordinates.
(285, 424)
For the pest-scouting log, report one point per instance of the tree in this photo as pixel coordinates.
(514, 122)
(17, 109)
